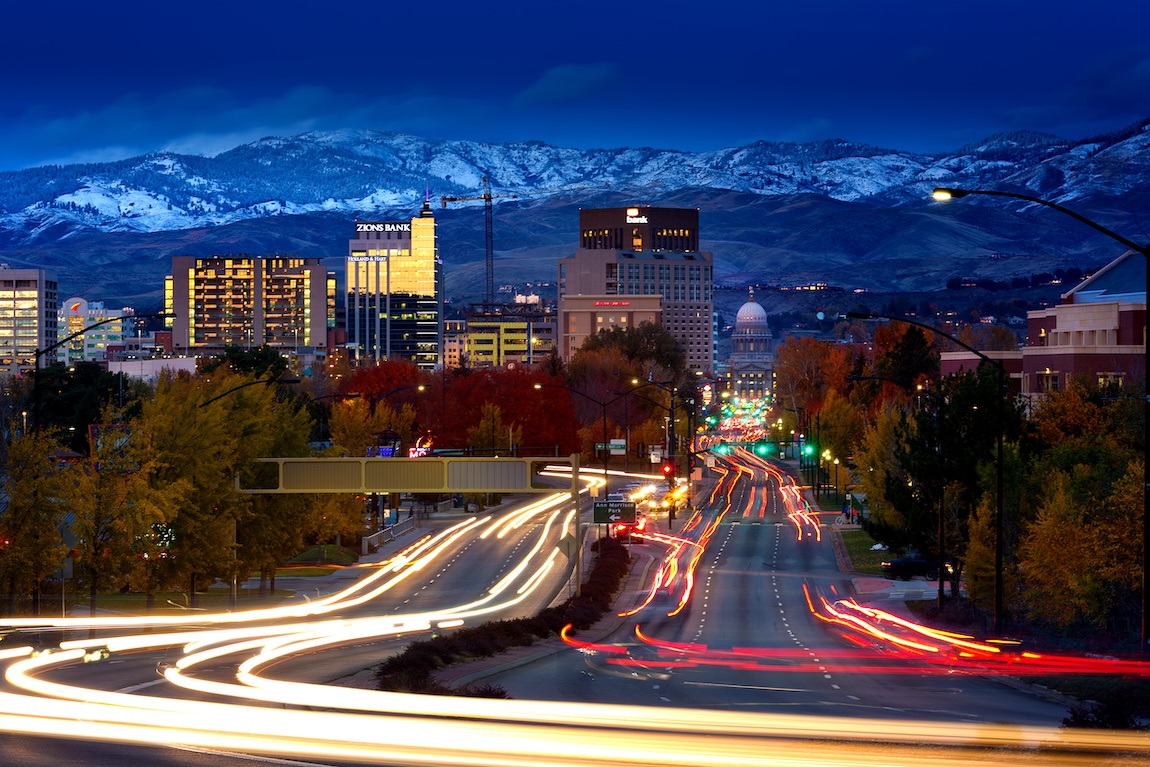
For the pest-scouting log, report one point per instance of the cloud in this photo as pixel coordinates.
(567, 83)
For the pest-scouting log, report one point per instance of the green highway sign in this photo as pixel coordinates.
(606, 512)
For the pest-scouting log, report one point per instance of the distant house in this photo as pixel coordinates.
(1098, 331)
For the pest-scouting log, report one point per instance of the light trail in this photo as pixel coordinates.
(259, 714)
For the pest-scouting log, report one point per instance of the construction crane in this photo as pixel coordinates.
(489, 251)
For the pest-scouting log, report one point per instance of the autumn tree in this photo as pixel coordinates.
(650, 348)
(206, 434)
(1080, 567)
(806, 369)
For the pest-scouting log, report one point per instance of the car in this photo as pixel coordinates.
(624, 530)
(905, 569)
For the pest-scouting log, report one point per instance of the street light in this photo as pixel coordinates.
(39, 354)
(950, 193)
(668, 387)
(269, 381)
(603, 405)
(998, 521)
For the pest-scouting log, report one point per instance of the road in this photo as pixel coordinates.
(748, 641)
(731, 662)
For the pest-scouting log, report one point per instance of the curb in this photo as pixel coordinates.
(472, 671)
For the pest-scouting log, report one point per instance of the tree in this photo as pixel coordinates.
(943, 454)
(909, 357)
(648, 346)
(117, 513)
(31, 528)
(259, 362)
(205, 434)
(878, 470)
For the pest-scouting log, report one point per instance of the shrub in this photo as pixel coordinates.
(411, 670)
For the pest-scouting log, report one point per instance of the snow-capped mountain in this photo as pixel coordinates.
(336, 176)
(364, 172)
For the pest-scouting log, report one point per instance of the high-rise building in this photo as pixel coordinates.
(395, 291)
(75, 314)
(249, 301)
(28, 322)
(627, 259)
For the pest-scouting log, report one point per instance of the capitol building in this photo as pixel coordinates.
(751, 364)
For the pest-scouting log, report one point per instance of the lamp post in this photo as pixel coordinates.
(998, 521)
(950, 193)
(667, 386)
(603, 406)
(268, 381)
(39, 354)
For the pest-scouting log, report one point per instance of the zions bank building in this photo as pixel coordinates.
(395, 292)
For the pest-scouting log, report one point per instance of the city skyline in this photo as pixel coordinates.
(902, 75)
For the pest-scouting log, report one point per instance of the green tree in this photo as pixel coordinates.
(647, 346)
(31, 529)
(946, 463)
(206, 434)
(116, 511)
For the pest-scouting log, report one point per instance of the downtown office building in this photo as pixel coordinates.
(639, 264)
(285, 302)
(395, 292)
(28, 316)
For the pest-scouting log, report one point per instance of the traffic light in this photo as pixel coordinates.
(668, 472)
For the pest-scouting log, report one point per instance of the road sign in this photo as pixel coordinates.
(618, 447)
(606, 512)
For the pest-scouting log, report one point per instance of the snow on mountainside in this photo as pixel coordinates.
(363, 173)
(835, 212)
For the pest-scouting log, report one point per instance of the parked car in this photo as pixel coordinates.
(905, 569)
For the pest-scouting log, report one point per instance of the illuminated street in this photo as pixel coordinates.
(742, 665)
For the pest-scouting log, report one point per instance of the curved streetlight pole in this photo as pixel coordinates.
(39, 354)
(234, 596)
(950, 193)
(667, 386)
(603, 405)
(998, 505)
(268, 381)
(606, 485)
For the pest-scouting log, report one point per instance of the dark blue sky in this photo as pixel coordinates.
(89, 81)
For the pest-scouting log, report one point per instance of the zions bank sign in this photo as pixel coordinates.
(382, 226)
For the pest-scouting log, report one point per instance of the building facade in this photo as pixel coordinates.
(29, 303)
(1097, 332)
(751, 364)
(395, 292)
(512, 334)
(639, 257)
(285, 302)
(75, 314)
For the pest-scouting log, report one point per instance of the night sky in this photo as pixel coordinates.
(90, 81)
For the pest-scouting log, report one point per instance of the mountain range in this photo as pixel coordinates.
(846, 214)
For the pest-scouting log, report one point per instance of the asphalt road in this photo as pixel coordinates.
(753, 644)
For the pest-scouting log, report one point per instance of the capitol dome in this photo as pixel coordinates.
(751, 313)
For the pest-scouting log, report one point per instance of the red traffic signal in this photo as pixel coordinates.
(668, 469)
